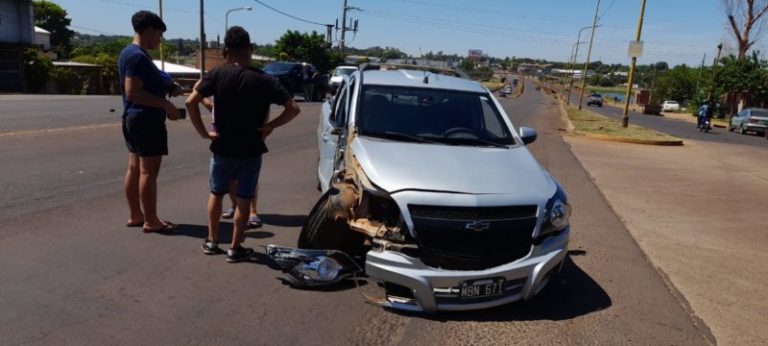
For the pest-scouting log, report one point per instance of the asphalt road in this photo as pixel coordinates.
(678, 128)
(71, 273)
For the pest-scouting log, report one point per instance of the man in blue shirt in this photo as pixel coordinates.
(144, 88)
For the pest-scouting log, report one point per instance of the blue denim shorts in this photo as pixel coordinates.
(225, 169)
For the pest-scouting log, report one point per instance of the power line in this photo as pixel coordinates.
(606, 10)
(97, 31)
(287, 14)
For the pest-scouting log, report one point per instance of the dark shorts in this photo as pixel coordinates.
(244, 170)
(145, 134)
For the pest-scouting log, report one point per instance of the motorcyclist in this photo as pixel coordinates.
(704, 113)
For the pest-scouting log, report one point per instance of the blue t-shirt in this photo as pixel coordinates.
(134, 62)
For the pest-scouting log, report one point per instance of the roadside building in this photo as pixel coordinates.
(184, 75)
(16, 34)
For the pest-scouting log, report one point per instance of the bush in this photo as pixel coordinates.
(67, 81)
(37, 69)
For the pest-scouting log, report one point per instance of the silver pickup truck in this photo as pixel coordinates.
(425, 179)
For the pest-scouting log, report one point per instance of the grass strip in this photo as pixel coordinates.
(594, 125)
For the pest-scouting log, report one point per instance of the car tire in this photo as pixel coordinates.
(322, 232)
(742, 131)
(730, 128)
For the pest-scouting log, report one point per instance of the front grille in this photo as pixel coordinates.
(472, 213)
(446, 242)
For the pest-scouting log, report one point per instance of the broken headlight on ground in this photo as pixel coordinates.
(313, 268)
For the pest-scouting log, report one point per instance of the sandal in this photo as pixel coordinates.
(228, 213)
(167, 227)
(254, 222)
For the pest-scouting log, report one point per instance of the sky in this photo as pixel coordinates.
(675, 31)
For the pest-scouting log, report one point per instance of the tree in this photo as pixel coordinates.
(37, 69)
(745, 19)
(746, 78)
(53, 18)
(305, 47)
(677, 84)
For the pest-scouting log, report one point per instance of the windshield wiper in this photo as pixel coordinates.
(467, 140)
(398, 135)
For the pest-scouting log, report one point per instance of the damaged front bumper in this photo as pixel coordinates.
(424, 289)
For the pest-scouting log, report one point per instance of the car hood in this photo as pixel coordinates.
(396, 166)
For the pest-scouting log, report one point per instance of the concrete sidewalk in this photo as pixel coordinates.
(699, 213)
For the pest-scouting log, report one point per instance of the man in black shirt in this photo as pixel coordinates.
(243, 95)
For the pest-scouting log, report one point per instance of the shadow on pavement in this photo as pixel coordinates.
(283, 220)
(225, 232)
(570, 294)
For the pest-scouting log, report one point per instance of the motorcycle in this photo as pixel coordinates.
(704, 125)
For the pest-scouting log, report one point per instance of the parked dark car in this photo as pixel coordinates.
(595, 99)
(291, 75)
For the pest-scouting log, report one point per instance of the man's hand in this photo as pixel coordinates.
(171, 111)
(212, 135)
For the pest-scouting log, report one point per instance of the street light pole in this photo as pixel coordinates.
(589, 55)
(202, 39)
(162, 43)
(573, 64)
(226, 16)
(625, 114)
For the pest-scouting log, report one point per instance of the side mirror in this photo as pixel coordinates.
(528, 135)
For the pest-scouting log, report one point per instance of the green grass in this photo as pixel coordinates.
(588, 122)
(492, 86)
(600, 89)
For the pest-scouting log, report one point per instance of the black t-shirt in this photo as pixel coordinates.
(242, 96)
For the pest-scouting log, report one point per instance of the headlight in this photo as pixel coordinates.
(313, 268)
(557, 214)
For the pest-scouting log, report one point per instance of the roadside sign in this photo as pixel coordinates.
(635, 49)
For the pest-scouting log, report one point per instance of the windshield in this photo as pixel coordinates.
(597, 95)
(432, 116)
(278, 68)
(343, 72)
(762, 114)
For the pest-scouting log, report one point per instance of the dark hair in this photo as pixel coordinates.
(144, 20)
(237, 38)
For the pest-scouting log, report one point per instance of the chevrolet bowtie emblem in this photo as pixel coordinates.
(478, 226)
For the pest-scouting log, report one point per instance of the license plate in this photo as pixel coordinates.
(481, 288)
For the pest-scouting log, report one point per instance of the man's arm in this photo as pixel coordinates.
(194, 114)
(291, 111)
(134, 91)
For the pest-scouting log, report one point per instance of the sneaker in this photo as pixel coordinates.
(211, 248)
(239, 254)
(228, 213)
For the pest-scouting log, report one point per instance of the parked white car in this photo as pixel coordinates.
(670, 106)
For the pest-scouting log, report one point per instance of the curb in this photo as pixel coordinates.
(609, 138)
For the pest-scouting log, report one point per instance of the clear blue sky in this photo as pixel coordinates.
(676, 31)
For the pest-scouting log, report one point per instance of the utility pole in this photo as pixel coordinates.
(589, 55)
(714, 65)
(202, 39)
(329, 33)
(625, 117)
(162, 43)
(344, 28)
(701, 68)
